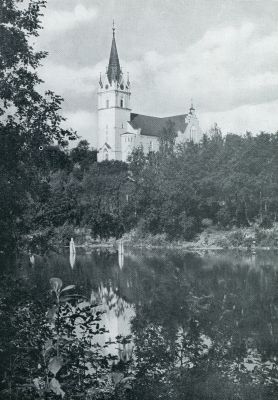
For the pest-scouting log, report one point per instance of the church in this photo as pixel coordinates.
(120, 130)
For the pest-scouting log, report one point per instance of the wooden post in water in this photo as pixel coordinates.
(72, 253)
(32, 259)
(121, 254)
(72, 246)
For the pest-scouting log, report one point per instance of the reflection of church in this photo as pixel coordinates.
(120, 130)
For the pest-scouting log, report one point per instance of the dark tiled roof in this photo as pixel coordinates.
(114, 69)
(153, 126)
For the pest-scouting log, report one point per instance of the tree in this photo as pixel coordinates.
(30, 121)
(82, 155)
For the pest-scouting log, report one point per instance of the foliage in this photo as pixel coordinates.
(221, 183)
(30, 122)
(55, 354)
(229, 181)
(82, 155)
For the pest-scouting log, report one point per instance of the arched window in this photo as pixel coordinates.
(192, 132)
(105, 154)
(107, 103)
(122, 103)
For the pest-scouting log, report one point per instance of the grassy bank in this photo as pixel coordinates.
(210, 238)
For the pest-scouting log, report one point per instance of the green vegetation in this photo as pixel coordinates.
(223, 184)
(49, 344)
(30, 122)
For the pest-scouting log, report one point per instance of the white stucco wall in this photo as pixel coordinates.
(134, 139)
(113, 114)
(192, 131)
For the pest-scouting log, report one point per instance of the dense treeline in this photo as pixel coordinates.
(222, 181)
(225, 181)
(229, 181)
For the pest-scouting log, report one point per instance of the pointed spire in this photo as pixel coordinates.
(128, 81)
(100, 80)
(114, 70)
(192, 109)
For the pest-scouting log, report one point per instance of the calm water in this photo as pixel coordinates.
(216, 312)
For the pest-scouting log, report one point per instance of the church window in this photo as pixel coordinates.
(122, 103)
(107, 103)
(192, 132)
(105, 154)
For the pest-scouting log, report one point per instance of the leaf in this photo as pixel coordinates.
(48, 345)
(56, 387)
(117, 377)
(68, 288)
(51, 313)
(55, 364)
(56, 284)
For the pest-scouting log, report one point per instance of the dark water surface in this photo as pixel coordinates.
(204, 326)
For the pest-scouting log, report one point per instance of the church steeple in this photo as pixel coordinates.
(114, 72)
(113, 108)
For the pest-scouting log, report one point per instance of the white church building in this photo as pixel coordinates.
(120, 130)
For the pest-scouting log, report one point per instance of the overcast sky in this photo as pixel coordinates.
(221, 53)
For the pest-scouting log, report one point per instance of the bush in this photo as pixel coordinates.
(63, 234)
(189, 226)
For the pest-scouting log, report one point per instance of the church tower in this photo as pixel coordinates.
(113, 107)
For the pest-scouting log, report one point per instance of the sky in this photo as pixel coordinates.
(222, 54)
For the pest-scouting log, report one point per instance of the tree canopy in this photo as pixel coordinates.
(30, 121)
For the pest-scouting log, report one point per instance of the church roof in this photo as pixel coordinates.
(114, 69)
(153, 126)
(106, 145)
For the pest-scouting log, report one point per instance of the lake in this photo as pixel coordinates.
(202, 326)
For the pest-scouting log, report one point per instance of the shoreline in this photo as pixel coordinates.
(186, 246)
(211, 239)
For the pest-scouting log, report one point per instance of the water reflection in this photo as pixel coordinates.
(201, 323)
(72, 259)
(121, 254)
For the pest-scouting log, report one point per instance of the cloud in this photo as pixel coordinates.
(56, 20)
(85, 123)
(231, 73)
(74, 84)
(66, 80)
(254, 118)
